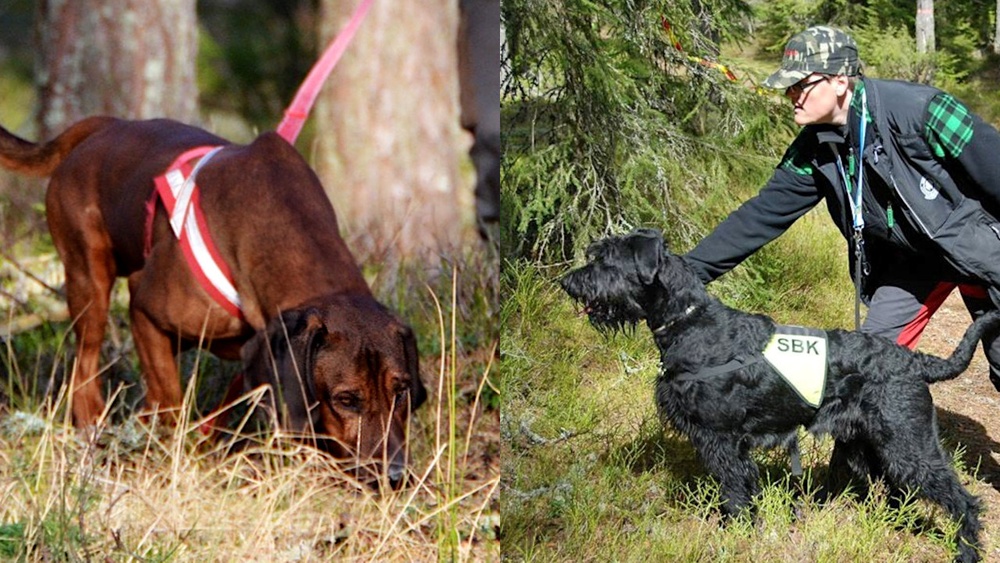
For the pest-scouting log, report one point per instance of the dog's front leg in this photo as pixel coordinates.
(727, 458)
(159, 365)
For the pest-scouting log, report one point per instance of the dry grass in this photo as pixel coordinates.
(141, 492)
(171, 498)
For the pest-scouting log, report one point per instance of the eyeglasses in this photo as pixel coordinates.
(799, 88)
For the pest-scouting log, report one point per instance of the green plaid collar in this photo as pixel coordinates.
(854, 114)
(859, 90)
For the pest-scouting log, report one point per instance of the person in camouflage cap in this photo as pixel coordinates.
(821, 50)
(909, 175)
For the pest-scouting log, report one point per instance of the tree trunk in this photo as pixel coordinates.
(505, 56)
(388, 137)
(925, 26)
(996, 34)
(127, 58)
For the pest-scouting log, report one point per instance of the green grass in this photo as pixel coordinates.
(590, 474)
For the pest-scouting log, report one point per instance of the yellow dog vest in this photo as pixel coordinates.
(799, 355)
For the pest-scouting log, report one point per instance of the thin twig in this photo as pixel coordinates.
(17, 301)
(30, 275)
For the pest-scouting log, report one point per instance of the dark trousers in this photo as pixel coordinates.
(900, 310)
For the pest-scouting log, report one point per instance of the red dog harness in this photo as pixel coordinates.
(179, 193)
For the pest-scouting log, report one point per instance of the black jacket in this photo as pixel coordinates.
(931, 190)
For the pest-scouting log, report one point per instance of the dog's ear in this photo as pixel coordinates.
(647, 251)
(418, 393)
(283, 355)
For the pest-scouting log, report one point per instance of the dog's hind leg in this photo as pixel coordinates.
(89, 308)
(946, 490)
(727, 458)
(919, 464)
(85, 251)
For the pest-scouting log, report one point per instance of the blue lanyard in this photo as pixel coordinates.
(855, 198)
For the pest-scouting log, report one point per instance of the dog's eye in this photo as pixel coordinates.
(349, 401)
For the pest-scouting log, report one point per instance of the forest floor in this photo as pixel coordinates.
(967, 410)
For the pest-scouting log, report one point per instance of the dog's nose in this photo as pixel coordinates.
(564, 282)
(396, 475)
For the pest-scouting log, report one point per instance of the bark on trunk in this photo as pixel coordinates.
(389, 143)
(127, 58)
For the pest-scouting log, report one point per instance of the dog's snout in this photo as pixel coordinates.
(570, 283)
(396, 475)
(387, 464)
(564, 282)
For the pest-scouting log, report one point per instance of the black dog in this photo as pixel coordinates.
(716, 387)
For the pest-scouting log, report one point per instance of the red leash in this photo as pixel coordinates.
(298, 111)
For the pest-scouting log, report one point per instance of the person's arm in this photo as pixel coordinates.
(788, 195)
(957, 136)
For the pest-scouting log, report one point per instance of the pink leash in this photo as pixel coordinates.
(298, 111)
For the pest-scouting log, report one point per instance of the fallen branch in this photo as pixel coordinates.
(17, 265)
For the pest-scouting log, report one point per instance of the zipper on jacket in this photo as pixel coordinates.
(913, 215)
(895, 187)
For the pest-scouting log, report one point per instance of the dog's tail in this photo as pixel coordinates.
(40, 159)
(941, 369)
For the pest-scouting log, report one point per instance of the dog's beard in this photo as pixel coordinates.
(613, 318)
(605, 296)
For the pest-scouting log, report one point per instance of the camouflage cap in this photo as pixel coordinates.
(819, 49)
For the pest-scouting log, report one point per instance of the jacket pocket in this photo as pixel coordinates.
(975, 246)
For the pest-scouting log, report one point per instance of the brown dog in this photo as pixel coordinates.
(341, 363)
